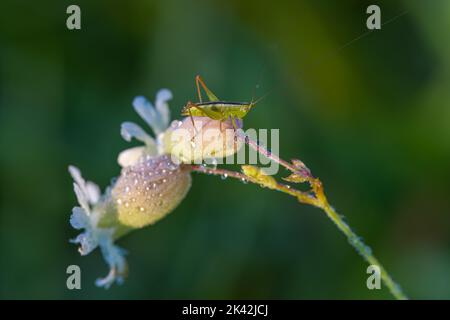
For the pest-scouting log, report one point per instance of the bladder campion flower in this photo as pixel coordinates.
(150, 186)
(153, 181)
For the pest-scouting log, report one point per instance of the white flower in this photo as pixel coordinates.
(150, 185)
(191, 140)
(87, 216)
(157, 117)
(95, 209)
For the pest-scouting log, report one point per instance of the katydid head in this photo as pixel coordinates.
(254, 102)
(186, 108)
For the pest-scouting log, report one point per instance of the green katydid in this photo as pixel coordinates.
(216, 109)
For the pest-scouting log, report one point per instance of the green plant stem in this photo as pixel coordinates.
(319, 200)
(364, 251)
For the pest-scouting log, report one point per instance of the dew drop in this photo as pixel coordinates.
(175, 124)
(214, 163)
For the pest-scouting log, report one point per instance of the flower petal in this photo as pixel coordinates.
(130, 156)
(86, 192)
(76, 175)
(147, 112)
(79, 219)
(162, 107)
(93, 192)
(81, 197)
(88, 242)
(130, 130)
(115, 258)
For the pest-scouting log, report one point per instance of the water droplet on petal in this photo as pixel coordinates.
(175, 124)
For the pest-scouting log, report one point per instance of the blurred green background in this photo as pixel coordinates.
(370, 117)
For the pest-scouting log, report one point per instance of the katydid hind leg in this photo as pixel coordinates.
(199, 82)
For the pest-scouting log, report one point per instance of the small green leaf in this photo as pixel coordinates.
(295, 178)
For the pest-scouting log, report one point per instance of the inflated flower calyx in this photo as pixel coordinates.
(196, 139)
(149, 190)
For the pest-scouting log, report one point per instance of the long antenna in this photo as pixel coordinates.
(252, 103)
